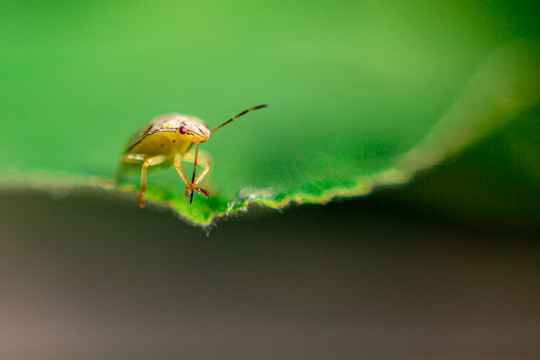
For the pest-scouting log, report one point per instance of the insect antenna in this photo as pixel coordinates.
(194, 170)
(258, 107)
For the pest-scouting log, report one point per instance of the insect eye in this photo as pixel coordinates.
(183, 130)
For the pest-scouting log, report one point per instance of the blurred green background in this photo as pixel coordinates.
(435, 104)
(351, 85)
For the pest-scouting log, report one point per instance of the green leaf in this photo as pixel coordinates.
(361, 95)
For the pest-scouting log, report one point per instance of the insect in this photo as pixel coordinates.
(166, 141)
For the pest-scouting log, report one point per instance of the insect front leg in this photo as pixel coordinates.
(125, 161)
(132, 158)
(203, 160)
(178, 166)
(156, 160)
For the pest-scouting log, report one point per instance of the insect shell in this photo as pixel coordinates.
(169, 135)
(167, 140)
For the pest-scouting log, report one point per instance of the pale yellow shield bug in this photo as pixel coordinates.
(166, 141)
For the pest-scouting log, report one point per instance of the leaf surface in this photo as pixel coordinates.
(362, 95)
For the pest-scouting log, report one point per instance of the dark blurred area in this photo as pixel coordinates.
(86, 277)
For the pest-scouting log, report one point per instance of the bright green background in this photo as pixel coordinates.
(351, 86)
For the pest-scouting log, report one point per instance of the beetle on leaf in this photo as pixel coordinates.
(166, 140)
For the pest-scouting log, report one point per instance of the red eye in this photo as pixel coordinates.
(183, 130)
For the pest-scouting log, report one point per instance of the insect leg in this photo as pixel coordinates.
(178, 166)
(125, 160)
(132, 158)
(204, 160)
(156, 160)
